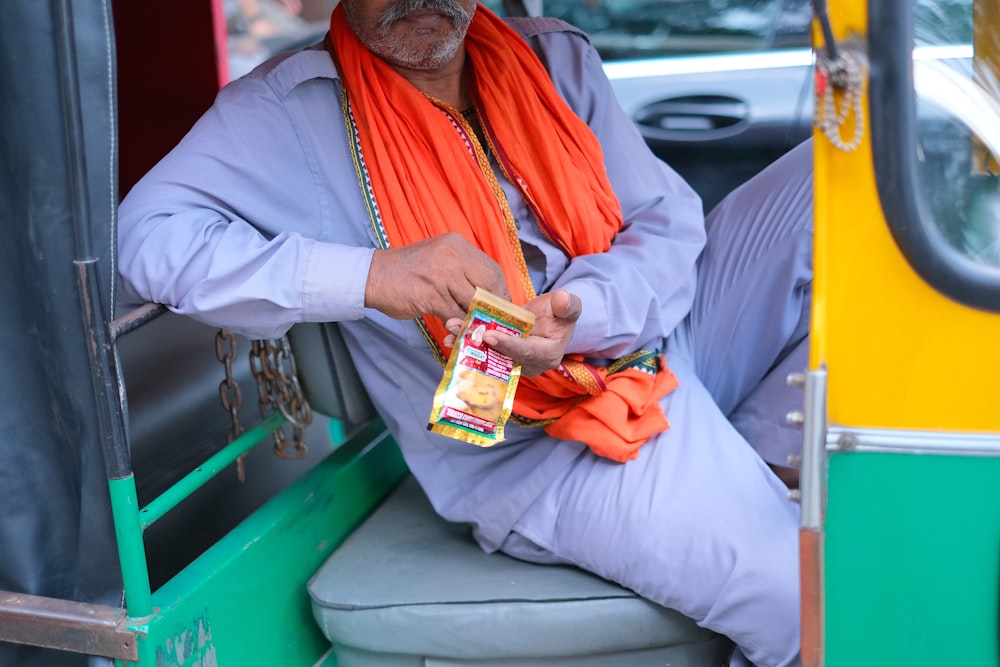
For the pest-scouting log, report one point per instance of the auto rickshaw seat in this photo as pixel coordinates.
(409, 589)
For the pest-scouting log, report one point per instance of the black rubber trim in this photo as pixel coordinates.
(894, 150)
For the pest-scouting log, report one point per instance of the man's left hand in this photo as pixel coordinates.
(556, 314)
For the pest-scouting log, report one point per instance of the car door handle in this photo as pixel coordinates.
(693, 118)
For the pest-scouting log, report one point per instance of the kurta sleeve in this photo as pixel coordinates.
(225, 228)
(634, 295)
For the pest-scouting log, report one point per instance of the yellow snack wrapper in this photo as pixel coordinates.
(476, 393)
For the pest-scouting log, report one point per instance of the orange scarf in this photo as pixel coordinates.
(427, 182)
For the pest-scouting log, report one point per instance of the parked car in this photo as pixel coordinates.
(707, 83)
(727, 82)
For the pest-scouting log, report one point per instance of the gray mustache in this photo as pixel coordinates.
(398, 10)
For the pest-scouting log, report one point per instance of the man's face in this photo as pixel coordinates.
(415, 34)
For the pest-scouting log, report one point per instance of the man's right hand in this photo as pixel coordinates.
(437, 276)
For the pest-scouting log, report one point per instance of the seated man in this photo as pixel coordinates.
(430, 148)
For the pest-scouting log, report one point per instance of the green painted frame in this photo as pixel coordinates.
(244, 601)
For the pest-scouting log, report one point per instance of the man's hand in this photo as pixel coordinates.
(437, 276)
(556, 314)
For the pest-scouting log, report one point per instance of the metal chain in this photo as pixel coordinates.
(230, 392)
(845, 75)
(273, 366)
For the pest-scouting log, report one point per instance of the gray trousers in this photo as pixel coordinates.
(698, 522)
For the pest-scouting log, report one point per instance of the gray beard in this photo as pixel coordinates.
(432, 57)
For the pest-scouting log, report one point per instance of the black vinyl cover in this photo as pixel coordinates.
(58, 193)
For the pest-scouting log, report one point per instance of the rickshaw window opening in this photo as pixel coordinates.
(897, 152)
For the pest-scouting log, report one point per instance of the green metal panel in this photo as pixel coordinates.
(244, 601)
(912, 560)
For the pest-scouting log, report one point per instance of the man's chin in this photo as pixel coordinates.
(424, 59)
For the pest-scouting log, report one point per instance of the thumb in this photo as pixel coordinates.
(566, 306)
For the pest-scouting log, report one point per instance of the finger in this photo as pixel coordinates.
(475, 269)
(463, 291)
(520, 353)
(452, 304)
(493, 281)
(500, 342)
(521, 350)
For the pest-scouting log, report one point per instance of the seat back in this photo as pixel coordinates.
(329, 380)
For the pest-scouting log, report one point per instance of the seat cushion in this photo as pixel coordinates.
(410, 584)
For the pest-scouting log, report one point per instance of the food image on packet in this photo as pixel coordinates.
(476, 393)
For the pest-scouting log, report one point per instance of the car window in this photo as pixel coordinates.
(939, 22)
(629, 29)
(958, 118)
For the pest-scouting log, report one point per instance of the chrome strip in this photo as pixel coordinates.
(897, 441)
(943, 52)
(812, 474)
(753, 60)
(730, 62)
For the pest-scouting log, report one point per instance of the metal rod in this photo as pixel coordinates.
(72, 114)
(814, 463)
(131, 549)
(207, 470)
(134, 319)
(813, 494)
(813, 602)
(819, 9)
(108, 392)
(66, 625)
(899, 441)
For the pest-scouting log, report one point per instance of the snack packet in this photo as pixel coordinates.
(476, 394)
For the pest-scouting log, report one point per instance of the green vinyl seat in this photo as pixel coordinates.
(408, 589)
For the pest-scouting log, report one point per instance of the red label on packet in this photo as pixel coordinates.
(475, 397)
